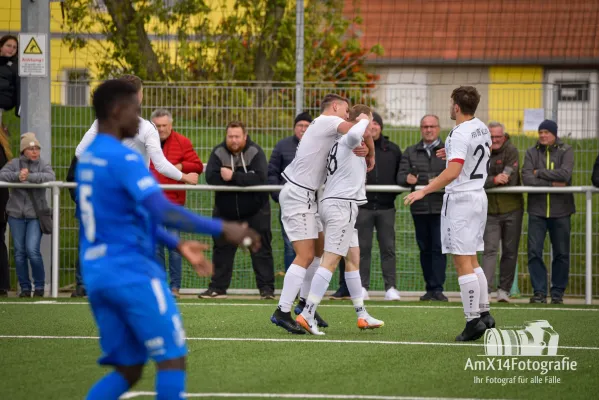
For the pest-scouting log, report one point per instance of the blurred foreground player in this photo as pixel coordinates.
(120, 208)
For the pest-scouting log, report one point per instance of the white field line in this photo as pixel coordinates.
(131, 395)
(271, 305)
(288, 340)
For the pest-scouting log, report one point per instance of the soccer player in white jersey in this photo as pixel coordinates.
(304, 176)
(344, 191)
(146, 142)
(464, 212)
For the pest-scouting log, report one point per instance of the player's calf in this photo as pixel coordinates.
(113, 385)
(170, 379)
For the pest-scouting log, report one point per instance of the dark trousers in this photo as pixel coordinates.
(505, 228)
(4, 271)
(384, 221)
(559, 234)
(432, 259)
(223, 255)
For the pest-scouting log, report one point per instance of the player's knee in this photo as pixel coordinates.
(132, 374)
(173, 364)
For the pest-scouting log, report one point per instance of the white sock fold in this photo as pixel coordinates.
(305, 289)
(291, 285)
(354, 285)
(320, 284)
(470, 292)
(484, 292)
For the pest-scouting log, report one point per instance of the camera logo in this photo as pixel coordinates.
(536, 339)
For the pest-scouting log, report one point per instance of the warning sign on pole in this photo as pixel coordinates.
(32, 54)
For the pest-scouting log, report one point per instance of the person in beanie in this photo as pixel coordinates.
(280, 158)
(549, 163)
(22, 218)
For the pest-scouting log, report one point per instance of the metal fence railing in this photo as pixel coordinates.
(584, 278)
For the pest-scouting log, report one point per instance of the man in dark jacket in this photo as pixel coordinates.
(281, 157)
(80, 286)
(379, 212)
(419, 166)
(549, 163)
(504, 214)
(595, 176)
(240, 162)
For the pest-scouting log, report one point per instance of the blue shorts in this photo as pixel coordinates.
(136, 322)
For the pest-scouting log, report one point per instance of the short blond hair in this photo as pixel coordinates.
(357, 110)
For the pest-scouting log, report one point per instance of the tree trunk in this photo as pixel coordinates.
(131, 34)
(268, 53)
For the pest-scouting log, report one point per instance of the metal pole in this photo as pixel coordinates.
(588, 293)
(299, 56)
(35, 99)
(555, 102)
(55, 238)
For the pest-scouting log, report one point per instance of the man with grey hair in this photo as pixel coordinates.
(504, 214)
(177, 150)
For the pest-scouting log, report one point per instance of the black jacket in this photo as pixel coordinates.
(3, 191)
(281, 157)
(387, 157)
(71, 178)
(249, 169)
(595, 176)
(417, 162)
(9, 83)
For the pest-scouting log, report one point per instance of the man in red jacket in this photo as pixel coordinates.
(179, 151)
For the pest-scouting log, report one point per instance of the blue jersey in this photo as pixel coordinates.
(117, 237)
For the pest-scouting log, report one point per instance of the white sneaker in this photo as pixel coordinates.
(310, 326)
(503, 296)
(365, 295)
(392, 294)
(370, 323)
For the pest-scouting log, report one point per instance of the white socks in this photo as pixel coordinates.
(484, 292)
(291, 285)
(305, 289)
(354, 285)
(320, 284)
(470, 292)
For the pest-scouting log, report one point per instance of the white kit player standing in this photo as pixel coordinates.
(464, 212)
(344, 191)
(146, 142)
(304, 176)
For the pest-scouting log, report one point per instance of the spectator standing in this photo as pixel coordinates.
(240, 162)
(80, 286)
(22, 217)
(595, 176)
(379, 212)
(281, 157)
(5, 156)
(179, 151)
(420, 166)
(504, 215)
(549, 163)
(9, 74)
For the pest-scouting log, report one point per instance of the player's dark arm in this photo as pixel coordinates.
(257, 175)
(166, 238)
(274, 170)
(445, 178)
(528, 176)
(213, 176)
(71, 178)
(561, 174)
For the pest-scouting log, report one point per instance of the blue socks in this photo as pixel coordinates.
(170, 384)
(111, 387)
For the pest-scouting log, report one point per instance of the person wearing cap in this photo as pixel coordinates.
(280, 158)
(549, 163)
(22, 218)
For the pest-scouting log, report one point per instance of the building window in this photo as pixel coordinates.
(77, 90)
(573, 91)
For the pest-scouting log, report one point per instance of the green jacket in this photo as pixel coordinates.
(553, 164)
(502, 203)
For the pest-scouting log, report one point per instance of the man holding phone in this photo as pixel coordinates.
(504, 215)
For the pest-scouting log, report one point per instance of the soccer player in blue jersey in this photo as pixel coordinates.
(120, 208)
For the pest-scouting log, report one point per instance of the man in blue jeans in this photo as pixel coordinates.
(549, 163)
(281, 157)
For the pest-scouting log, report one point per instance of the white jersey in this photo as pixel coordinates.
(346, 172)
(146, 142)
(470, 144)
(308, 168)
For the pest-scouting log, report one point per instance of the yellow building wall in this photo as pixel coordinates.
(511, 90)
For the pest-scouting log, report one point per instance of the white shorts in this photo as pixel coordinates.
(298, 213)
(463, 220)
(339, 219)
